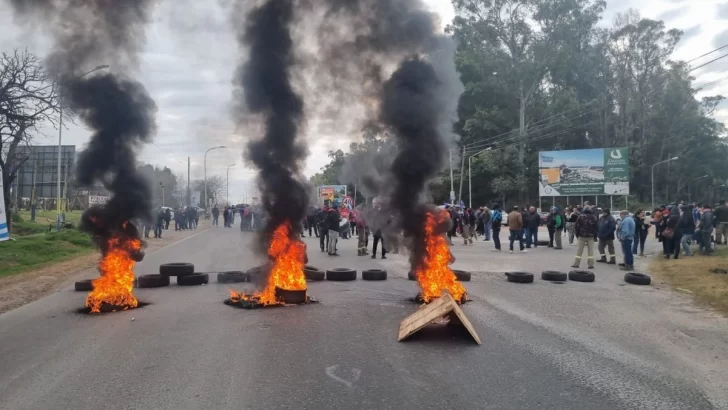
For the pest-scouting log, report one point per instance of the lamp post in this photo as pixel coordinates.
(227, 183)
(470, 175)
(653, 178)
(60, 137)
(204, 166)
(690, 192)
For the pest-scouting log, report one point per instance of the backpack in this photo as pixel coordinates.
(497, 217)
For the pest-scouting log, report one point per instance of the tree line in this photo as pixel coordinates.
(542, 76)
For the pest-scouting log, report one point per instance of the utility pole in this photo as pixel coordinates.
(189, 193)
(32, 193)
(452, 181)
(462, 173)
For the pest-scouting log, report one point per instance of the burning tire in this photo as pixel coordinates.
(176, 269)
(411, 275)
(292, 297)
(194, 279)
(581, 276)
(554, 276)
(374, 274)
(461, 275)
(519, 277)
(152, 281)
(341, 274)
(635, 278)
(232, 277)
(84, 285)
(313, 273)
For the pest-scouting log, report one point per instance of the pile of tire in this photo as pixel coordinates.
(341, 274)
(185, 273)
(460, 275)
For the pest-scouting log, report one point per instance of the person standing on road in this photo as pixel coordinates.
(215, 216)
(453, 225)
(721, 220)
(642, 228)
(671, 234)
(362, 233)
(487, 223)
(531, 224)
(551, 226)
(707, 221)
(585, 230)
(605, 233)
(496, 219)
(626, 234)
(559, 226)
(571, 217)
(167, 218)
(323, 226)
(159, 223)
(311, 221)
(515, 227)
(378, 237)
(465, 228)
(333, 220)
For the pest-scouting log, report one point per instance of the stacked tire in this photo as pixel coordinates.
(185, 273)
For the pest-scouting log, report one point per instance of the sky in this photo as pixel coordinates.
(191, 54)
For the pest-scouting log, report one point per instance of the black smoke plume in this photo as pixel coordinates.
(264, 81)
(118, 110)
(416, 98)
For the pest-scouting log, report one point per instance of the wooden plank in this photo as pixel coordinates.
(443, 306)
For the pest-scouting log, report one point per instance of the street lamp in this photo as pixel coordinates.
(227, 183)
(470, 175)
(690, 193)
(60, 137)
(205, 169)
(653, 178)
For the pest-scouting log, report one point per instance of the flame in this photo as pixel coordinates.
(288, 257)
(117, 276)
(434, 274)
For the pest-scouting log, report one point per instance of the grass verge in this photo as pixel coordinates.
(30, 252)
(694, 275)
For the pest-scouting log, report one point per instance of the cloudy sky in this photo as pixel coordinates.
(191, 54)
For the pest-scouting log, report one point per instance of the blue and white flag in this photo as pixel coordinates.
(4, 235)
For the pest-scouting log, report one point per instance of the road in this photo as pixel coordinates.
(570, 346)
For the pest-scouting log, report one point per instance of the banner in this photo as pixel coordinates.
(602, 171)
(195, 198)
(4, 235)
(331, 192)
(97, 200)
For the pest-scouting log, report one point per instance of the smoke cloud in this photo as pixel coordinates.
(117, 109)
(264, 88)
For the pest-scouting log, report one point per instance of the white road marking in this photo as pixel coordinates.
(355, 374)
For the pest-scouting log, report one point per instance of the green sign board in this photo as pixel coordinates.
(602, 171)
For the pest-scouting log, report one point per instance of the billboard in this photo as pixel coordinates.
(601, 171)
(331, 192)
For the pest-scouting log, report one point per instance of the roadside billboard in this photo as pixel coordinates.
(601, 171)
(331, 192)
(97, 200)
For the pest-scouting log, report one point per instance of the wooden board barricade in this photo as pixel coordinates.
(444, 306)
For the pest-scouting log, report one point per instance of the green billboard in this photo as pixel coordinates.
(601, 171)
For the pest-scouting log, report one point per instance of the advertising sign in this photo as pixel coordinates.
(97, 200)
(4, 235)
(195, 198)
(331, 192)
(602, 171)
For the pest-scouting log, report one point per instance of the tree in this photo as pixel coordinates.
(164, 183)
(27, 99)
(215, 186)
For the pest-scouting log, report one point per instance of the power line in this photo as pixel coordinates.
(709, 62)
(708, 53)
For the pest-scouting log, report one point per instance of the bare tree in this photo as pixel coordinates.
(27, 98)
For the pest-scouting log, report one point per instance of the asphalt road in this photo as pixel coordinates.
(187, 350)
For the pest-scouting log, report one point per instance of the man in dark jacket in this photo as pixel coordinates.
(215, 215)
(707, 223)
(721, 223)
(530, 225)
(605, 233)
(495, 225)
(161, 215)
(167, 218)
(333, 219)
(586, 232)
(323, 227)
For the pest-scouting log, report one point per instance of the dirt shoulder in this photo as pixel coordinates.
(18, 290)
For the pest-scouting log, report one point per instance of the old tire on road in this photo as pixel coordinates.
(152, 281)
(176, 269)
(519, 277)
(554, 276)
(341, 274)
(374, 274)
(461, 275)
(234, 276)
(581, 276)
(194, 279)
(637, 278)
(313, 273)
(85, 285)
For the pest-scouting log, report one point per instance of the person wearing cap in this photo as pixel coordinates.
(586, 232)
(625, 234)
(605, 234)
